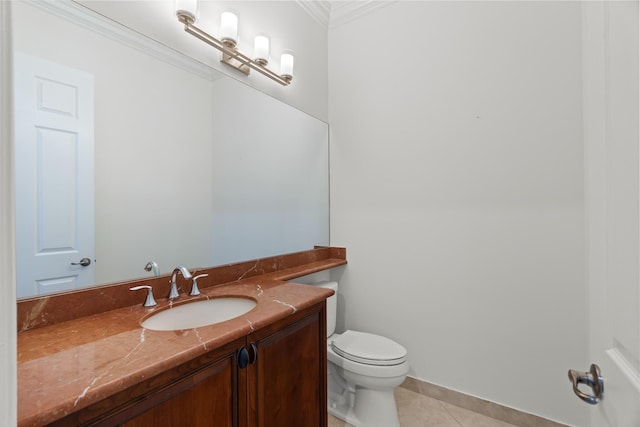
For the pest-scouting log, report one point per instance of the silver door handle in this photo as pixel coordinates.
(593, 379)
(83, 262)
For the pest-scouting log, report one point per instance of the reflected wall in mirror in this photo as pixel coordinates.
(191, 168)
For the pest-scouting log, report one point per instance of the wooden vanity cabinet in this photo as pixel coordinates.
(274, 377)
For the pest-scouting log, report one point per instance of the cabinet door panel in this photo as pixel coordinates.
(201, 392)
(205, 399)
(288, 378)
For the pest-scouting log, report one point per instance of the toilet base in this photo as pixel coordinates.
(345, 413)
(364, 408)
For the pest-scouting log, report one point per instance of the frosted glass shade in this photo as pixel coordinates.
(261, 49)
(229, 27)
(188, 8)
(286, 64)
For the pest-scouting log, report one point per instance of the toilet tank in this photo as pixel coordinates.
(332, 305)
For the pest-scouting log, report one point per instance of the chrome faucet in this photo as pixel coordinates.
(173, 293)
(152, 265)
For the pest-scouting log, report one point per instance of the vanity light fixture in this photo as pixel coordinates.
(187, 13)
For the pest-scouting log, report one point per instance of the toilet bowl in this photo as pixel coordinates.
(363, 369)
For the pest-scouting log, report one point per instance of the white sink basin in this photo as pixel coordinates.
(199, 313)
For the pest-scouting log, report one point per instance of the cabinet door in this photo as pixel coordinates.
(203, 392)
(205, 399)
(288, 379)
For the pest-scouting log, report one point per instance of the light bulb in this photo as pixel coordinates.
(261, 49)
(188, 9)
(229, 28)
(286, 65)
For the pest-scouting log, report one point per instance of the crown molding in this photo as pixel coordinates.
(343, 12)
(333, 13)
(319, 10)
(80, 15)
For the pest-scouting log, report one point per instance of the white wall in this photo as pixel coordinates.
(457, 187)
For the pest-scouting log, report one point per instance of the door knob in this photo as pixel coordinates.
(593, 379)
(83, 262)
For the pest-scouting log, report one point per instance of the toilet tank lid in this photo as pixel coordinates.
(369, 348)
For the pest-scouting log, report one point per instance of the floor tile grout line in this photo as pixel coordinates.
(449, 412)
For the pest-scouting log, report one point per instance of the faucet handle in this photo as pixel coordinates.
(194, 288)
(150, 301)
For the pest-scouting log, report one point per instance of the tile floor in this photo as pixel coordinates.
(417, 410)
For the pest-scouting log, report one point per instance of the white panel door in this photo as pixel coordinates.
(612, 131)
(54, 145)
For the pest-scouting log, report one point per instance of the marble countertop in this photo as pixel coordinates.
(67, 366)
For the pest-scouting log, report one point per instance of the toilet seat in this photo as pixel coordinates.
(369, 349)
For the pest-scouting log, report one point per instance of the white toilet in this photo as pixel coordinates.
(363, 370)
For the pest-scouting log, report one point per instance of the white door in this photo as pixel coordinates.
(611, 100)
(53, 115)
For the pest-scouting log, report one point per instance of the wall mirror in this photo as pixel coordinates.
(184, 166)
